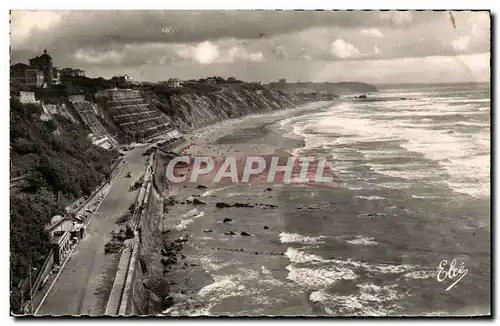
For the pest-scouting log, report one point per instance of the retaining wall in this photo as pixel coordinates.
(139, 259)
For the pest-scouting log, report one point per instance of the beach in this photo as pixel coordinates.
(369, 245)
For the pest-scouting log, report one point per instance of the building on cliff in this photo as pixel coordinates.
(17, 72)
(125, 79)
(34, 77)
(59, 230)
(26, 75)
(72, 72)
(43, 63)
(174, 82)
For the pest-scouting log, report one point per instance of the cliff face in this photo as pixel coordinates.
(195, 110)
(160, 109)
(334, 88)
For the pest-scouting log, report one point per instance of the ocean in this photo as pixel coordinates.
(414, 170)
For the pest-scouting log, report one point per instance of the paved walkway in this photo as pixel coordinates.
(85, 283)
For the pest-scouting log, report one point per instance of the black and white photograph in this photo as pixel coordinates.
(250, 163)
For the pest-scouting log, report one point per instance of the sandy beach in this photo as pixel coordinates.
(290, 250)
(216, 249)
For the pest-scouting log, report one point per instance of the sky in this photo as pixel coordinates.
(367, 46)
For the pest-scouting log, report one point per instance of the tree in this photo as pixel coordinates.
(51, 125)
(67, 163)
(35, 181)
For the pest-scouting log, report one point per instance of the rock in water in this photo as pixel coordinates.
(266, 227)
(227, 220)
(245, 234)
(222, 205)
(169, 201)
(229, 233)
(201, 187)
(196, 201)
(242, 205)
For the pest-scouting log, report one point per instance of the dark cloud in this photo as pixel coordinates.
(120, 40)
(94, 28)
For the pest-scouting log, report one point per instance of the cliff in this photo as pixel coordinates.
(195, 108)
(341, 88)
(144, 112)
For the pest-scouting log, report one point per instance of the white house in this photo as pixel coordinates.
(174, 82)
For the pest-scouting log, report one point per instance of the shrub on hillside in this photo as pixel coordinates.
(67, 164)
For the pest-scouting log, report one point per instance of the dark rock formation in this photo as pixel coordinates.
(201, 187)
(227, 220)
(168, 302)
(314, 207)
(196, 201)
(169, 201)
(229, 233)
(169, 261)
(372, 215)
(242, 205)
(238, 205)
(246, 234)
(266, 206)
(222, 205)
